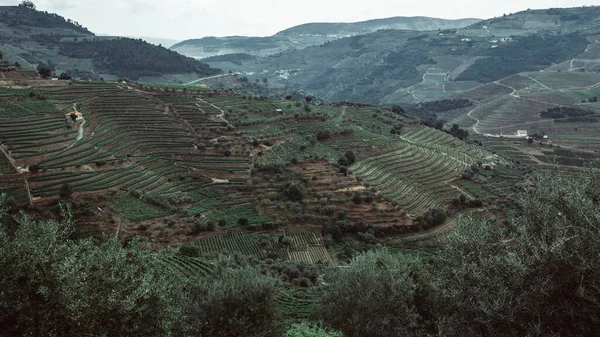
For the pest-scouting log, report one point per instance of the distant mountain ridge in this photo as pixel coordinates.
(403, 66)
(306, 35)
(421, 23)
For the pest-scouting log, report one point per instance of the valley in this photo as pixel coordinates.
(407, 176)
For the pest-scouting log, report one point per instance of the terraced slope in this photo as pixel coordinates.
(207, 164)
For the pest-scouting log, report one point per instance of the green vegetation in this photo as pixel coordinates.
(374, 296)
(526, 54)
(134, 58)
(233, 58)
(534, 273)
(235, 303)
(27, 16)
(54, 286)
(136, 210)
(306, 329)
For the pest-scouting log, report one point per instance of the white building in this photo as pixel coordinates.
(522, 133)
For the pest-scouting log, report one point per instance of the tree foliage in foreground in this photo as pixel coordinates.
(536, 274)
(52, 286)
(238, 302)
(373, 296)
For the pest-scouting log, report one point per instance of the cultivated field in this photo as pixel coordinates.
(230, 172)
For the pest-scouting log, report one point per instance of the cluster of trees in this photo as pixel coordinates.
(568, 114)
(133, 58)
(446, 104)
(457, 132)
(527, 53)
(348, 159)
(236, 59)
(536, 273)
(26, 15)
(563, 112)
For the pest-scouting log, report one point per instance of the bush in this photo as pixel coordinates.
(535, 274)
(238, 302)
(306, 329)
(52, 286)
(323, 135)
(372, 297)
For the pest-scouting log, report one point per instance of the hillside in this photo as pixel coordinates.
(195, 156)
(31, 38)
(306, 35)
(392, 66)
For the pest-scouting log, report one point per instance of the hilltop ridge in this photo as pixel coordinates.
(309, 34)
(32, 38)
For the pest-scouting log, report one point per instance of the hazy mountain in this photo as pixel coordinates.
(306, 35)
(396, 66)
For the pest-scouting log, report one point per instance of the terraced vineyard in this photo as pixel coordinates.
(177, 165)
(515, 103)
(304, 247)
(417, 171)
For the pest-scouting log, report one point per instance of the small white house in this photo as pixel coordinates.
(279, 110)
(522, 133)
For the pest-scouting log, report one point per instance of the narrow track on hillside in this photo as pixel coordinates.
(221, 116)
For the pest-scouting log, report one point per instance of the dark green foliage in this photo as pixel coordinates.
(536, 274)
(397, 109)
(446, 104)
(459, 133)
(431, 218)
(64, 76)
(133, 58)
(52, 286)
(373, 296)
(237, 303)
(528, 53)
(571, 114)
(323, 135)
(44, 70)
(293, 192)
(65, 191)
(348, 159)
(29, 17)
(233, 58)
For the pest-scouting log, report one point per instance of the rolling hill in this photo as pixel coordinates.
(394, 66)
(30, 38)
(306, 35)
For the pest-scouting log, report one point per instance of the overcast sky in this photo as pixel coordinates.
(184, 19)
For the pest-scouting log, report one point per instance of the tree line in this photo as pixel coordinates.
(537, 273)
(133, 58)
(26, 15)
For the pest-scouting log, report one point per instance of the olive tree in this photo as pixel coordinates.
(538, 273)
(51, 285)
(236, 302)
(372, 296)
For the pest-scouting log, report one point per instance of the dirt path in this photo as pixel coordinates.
(474, 127)
(12, 160)
(210, 77)
(536, 81)
(221, 116)
(513, 94)
(463, 191)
